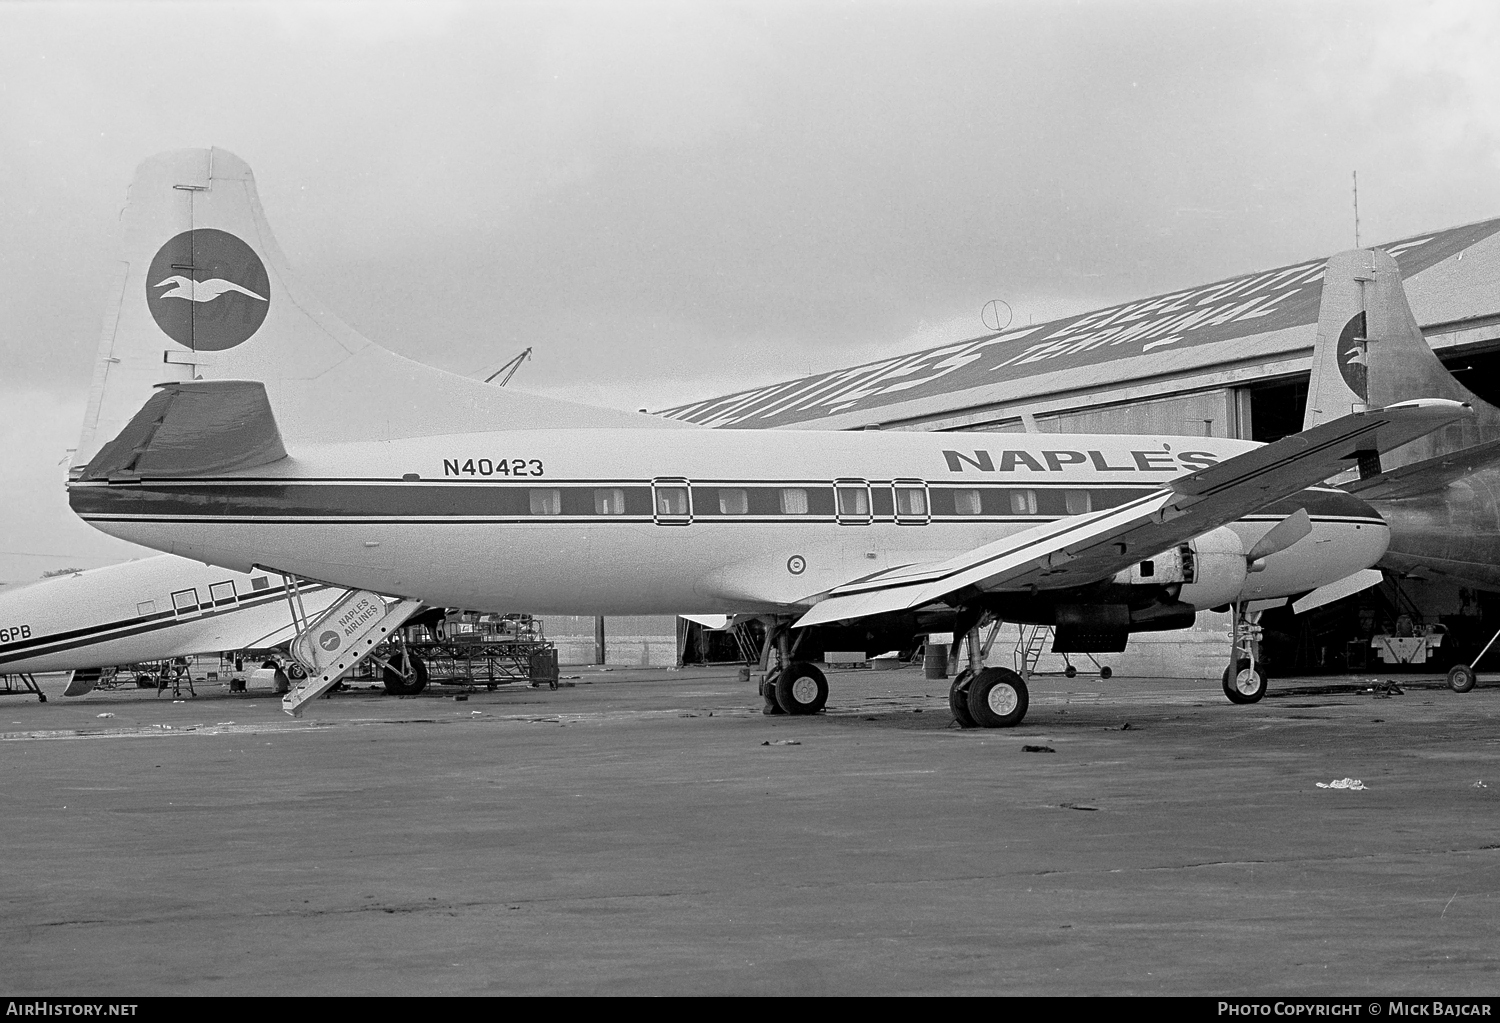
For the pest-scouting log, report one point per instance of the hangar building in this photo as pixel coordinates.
(1227, 359)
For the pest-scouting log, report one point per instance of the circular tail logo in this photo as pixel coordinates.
(1353, 356)
(207, 290)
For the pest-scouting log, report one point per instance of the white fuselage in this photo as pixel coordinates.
(145, 610)
(621, 521)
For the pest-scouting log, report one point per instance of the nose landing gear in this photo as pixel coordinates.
(1245, 678)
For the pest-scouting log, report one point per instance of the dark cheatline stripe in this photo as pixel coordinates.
(37, 646)
(542, 500)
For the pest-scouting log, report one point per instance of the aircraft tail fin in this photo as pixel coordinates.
(206, 294)
(1370, 353)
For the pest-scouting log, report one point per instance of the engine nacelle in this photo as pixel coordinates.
(1218, 569)
(1210, 569)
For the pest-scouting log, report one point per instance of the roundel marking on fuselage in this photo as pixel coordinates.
(207, 290)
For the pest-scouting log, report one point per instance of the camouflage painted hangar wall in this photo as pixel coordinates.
(1183, 350)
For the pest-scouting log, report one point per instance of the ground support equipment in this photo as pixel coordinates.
(1032, 643)
(20, 684)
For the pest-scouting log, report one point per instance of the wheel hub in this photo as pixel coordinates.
(805, 690)
(1002, 698)
(1247, 681)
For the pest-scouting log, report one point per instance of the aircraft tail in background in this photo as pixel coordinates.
(1370, 353)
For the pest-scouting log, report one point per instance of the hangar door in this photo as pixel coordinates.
(1205, 414)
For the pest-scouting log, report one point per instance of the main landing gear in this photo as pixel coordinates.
(983, 697)
(792, 686)
(1244, 678)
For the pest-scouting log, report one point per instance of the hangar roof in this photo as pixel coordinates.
(1251, 321)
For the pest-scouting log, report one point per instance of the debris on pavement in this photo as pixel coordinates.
(106, 714)
(1353, 784)
(1037, 749)
(783, 742)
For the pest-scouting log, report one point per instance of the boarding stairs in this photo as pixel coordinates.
(334, 643)
(1032, 643)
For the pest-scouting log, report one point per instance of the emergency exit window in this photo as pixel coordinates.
(671, 500)
(854, 501)
(911, 502)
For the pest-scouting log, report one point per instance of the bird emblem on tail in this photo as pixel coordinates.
(202, 291)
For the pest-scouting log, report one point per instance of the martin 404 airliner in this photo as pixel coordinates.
(277, 437)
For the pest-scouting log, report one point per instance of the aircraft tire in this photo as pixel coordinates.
(1461, 678)
(802, 689)
(1248, 690)
(396, 685)
(998, 698)
(958, 700)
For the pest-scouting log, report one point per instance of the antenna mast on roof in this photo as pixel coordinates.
(1356, 209)
(513, 365)
(994, 316)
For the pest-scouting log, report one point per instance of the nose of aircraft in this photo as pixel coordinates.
(1347, 535)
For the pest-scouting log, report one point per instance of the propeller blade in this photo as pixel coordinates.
(1282, 535)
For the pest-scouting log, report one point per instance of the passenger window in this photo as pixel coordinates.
(222, 593)
(184, 601)
(546, 502)
(733, 501)
(854, 501)
(671, 500)
(793, 501)
(1023, 502)
(911, 502)
(609, 501)
(1077, 502)
(146, 607)
(966, 502)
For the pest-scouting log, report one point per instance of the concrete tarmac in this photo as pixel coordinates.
(636, 834)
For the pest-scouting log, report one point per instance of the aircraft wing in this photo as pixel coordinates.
(1082, 549)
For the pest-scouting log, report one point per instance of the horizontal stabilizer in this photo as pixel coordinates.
(714, 623)
(1426, 477)
(82, 681)
(193, 428)
(1082, 549)
(1350, 584)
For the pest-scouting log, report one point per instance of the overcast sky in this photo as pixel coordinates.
(670, 201)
